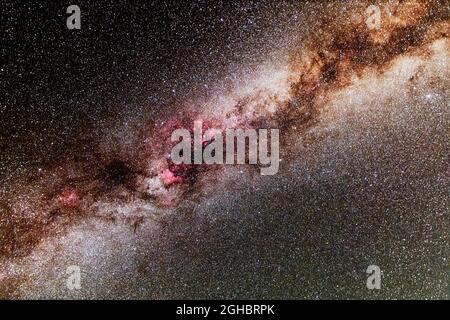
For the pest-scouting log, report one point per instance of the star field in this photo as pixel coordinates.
(85, 123)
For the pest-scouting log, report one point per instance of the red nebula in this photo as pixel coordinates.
(69, 198)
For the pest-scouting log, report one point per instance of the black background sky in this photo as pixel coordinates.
(57, 82)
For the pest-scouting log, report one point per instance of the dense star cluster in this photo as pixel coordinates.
(86, 177)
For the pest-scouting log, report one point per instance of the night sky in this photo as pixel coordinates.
(85, 123)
